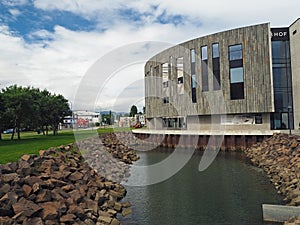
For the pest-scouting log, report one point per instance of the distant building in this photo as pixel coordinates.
(132, 121)
(126, 121)
(82, 119)
(253, 70)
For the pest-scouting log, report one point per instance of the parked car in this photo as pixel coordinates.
(8, 131)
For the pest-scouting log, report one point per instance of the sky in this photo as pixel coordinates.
(55, 44)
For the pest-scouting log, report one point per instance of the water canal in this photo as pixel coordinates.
(230, 192)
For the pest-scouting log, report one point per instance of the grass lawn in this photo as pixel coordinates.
(31, 142)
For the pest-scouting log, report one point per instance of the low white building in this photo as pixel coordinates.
(82, 119)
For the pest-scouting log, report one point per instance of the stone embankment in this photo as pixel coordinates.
(279, 157)
(59, 186)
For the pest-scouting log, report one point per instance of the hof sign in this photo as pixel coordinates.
(280, 34)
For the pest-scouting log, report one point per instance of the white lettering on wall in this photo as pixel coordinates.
(280, 34)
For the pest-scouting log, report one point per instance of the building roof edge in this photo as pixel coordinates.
(295, 22)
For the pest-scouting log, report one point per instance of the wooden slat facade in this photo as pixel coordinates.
(258, 84)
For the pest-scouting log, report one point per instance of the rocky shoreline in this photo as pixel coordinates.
(61, 186)
(80, 183)
(279, 157)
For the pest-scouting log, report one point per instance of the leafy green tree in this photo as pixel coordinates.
(19, 108)
(58, 108)
(2, 107)
(133, 111)
(106, 118)
(44, 122)
(26, 107)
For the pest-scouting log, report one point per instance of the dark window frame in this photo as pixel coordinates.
(216, 67)
(204, 69)
(237, 89)
(193, 75)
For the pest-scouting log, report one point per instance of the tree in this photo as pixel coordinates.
(19, 108)
(2, 107)
(27, 107)
(133, 111)
(58, 109)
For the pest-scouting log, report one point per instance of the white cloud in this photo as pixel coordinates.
(215, 14)
(14, 12)
(14, 2)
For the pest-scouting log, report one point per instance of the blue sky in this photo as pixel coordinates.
(24, 20)
(53, 43)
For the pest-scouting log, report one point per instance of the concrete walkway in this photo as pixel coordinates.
(208, 132)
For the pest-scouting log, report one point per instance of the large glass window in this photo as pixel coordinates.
(204, 68)
(174, 123)
(282, 83)
(236, 72)
(193, 75)
(216, 66)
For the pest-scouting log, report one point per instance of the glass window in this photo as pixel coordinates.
(280, 49)
(285, 120)
(237, 91)
(236, 75)
(204, 52)
(165, 71)
(174, 123)
(215, 50)
(180, 80)
(258, 119)
(204, 72)
(204, 68)
(235, 52)
(193, 55)
(216, 66)
(166, 100)
(171, 67)
(193, 75)
(156, 71)
(165, 84)
(179, 66)
(194, 81)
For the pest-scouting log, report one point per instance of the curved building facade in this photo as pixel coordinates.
(247, 79)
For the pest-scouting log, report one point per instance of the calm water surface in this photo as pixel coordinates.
(229, 192)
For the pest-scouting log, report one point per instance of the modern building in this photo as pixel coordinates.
(247, 79)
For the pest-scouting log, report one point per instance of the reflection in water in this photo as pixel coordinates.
(230, 191)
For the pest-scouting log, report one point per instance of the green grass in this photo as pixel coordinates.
(31, 142)
(110, 129)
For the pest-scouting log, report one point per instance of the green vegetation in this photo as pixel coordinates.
(31, 142)
(31, 109)
(133, 111)
(111, 129)
(108, 118)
